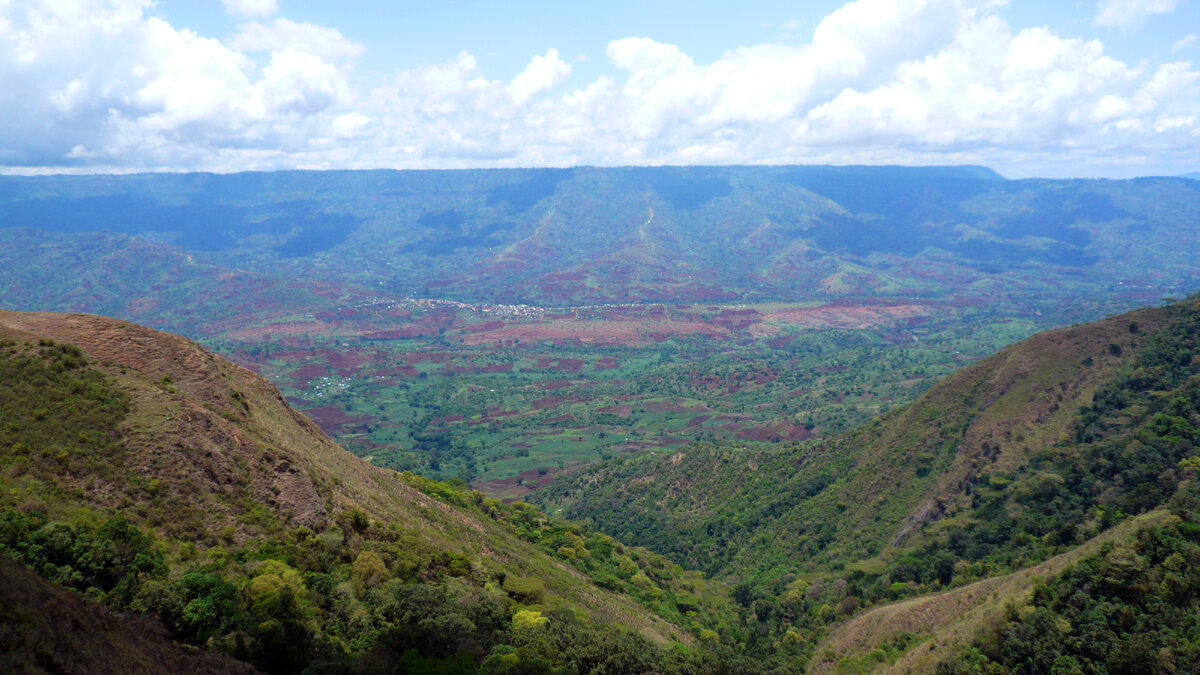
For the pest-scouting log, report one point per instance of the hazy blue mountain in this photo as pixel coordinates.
(634, 234)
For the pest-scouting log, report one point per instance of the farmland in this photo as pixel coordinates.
(505, 326)
(506, 397)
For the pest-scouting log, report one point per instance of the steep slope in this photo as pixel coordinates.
(236, 520)
(1018, 458)
(932, 628)
(149, 282)
(872, 488)
(47, 629)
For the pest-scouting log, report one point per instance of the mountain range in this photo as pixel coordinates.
(593, 235)
(670, 419)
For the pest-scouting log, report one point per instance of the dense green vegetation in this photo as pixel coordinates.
(355, 593)
(1133, 608)
(724, 509)
(361, 595)
(1124, 459)
(754, 426)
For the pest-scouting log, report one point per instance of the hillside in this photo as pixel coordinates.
(158, 478)
(48, 629)
(1020, 457)
(868, 489)
(149, 282)
(501, 327)
(614, 235)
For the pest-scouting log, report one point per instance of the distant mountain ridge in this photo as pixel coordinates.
(633, 234)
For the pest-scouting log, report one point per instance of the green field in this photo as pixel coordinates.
(508, 415)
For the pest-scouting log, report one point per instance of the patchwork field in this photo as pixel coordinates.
(505, 397)
(502, 326)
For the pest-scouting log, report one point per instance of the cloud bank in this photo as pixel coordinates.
(108, 85)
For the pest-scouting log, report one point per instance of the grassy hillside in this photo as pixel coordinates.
(147, 473)
(1018, 458)
(915, 635)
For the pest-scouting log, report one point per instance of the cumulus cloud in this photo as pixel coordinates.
(879, 81)
(1129, 13)
(286, 35)
(249, 8)
(542, 74)
(105, 83)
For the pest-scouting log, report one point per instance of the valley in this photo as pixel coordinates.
(609, 338)
(502, 327)
(671, 419)
(508, 396)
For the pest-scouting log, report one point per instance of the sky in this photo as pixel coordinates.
(1107, 88)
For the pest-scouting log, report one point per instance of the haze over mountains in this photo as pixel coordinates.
(580, 236)
(771, 395)
(504, 325)
(555, 338)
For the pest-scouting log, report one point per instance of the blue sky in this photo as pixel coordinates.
(1106, 88)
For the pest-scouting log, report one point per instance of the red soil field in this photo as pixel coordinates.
(855, 316)
(333, 419)
(407, 371)
(623, 410)
(548, 402)
(307, 372)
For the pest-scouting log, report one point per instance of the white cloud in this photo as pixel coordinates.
(543, 73)
(1129, 13)
(246, 9)
(286, 35)
(133, 90)
(908, 81)
(1184, 42)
